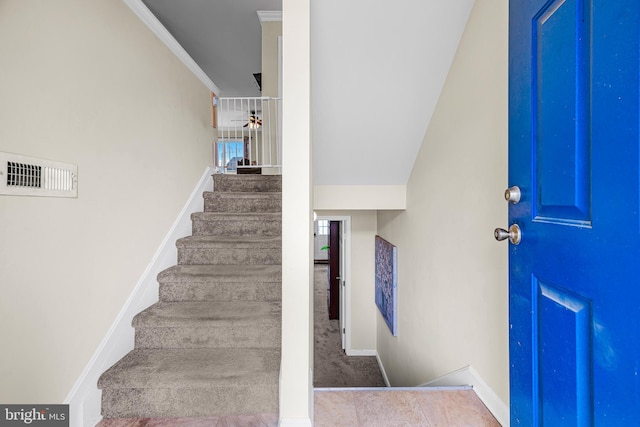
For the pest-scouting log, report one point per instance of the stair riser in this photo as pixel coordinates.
(202, 256)
(219, 203)
(231, 291)
(240, 227)
(251, 336)
(211, 347)
(259, 184)
(186, 402)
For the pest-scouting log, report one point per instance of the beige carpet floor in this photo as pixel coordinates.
(332, 367)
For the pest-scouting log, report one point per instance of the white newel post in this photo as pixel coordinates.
(296, 382)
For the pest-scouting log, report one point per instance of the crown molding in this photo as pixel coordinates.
(163, 34)
(269, 15)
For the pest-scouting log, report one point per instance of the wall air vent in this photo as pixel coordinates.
(29, 176)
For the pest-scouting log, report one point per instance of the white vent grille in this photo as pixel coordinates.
(29, 176)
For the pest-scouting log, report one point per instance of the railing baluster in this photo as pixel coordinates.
(235, 131)
(268, 130)
(260, 102)
(250, 127)
(259, 144)
(278, 137)
(256, 137)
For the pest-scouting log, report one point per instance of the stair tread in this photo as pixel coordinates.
(209, 314)
(225, 241)
(220, 273)
(203, 368)
(234, 216)
(236, 224)
(249, 177)
(242, 194)
(248, 183)
(247, 201)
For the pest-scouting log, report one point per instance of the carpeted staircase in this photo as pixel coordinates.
(211, 345)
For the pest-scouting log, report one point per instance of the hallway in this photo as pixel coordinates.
(332, 367)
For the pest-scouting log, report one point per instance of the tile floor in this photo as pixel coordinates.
(358, 408)
(407, 408)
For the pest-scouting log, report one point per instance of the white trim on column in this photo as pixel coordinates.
(163, 34)
(296, 384)
(269, 15)
(295, 422)
(279, 67)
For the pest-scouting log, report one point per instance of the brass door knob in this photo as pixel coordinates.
(514, 235)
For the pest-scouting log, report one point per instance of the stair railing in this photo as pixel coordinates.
(249, 134)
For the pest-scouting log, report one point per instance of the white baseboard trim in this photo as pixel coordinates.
(295, 422)
(387, 389)
(84, 397)
(384, 373)
(361, 352)
(285, 421)
(468, 376)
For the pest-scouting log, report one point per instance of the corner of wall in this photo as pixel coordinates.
(382, 370)
(469, 376)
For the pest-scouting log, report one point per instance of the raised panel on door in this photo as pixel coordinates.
(574, 280)
(561, 98)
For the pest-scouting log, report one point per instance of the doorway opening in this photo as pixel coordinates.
(332, 315)
(332, 247)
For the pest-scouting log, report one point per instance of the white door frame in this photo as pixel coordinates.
(345, 305)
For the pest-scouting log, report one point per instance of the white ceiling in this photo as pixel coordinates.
(377, 71)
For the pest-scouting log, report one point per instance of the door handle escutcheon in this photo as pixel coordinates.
(514, 235)
(512, 194)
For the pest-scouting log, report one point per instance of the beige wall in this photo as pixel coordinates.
(358, 197)
(271, 30)
(362, 278)
(452, 281)
(86, 83)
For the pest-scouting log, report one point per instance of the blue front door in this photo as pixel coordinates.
(574, 153)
